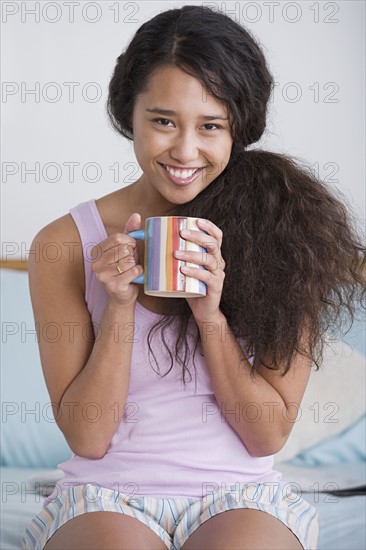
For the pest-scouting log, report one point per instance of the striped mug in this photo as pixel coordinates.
(162, 275)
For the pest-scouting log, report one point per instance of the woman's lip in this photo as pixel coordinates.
(181, 167)
(180, 181)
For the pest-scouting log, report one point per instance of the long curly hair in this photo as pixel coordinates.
(291, 246)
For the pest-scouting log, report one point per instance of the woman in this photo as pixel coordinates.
(156, 460)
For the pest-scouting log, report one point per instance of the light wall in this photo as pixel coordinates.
(316, 52)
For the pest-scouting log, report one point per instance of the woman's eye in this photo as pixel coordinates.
(159, 120)
(211, 124)
(165, 121)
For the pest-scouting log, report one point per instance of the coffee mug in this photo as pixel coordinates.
(162, 275)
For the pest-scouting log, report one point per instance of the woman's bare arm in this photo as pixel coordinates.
(87, 378)
(262, 409)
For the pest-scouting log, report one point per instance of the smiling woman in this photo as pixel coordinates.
(283, 258)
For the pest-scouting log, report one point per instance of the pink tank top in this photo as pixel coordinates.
(172, 441)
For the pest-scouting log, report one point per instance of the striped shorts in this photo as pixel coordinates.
(175, 519)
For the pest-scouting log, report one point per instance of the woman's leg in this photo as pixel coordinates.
(242, 529)
(104, 531)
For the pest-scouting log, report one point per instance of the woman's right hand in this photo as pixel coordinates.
(119, 250)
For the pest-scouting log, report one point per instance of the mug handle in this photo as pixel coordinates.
(140, 235)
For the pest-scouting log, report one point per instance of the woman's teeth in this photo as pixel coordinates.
(183, 174)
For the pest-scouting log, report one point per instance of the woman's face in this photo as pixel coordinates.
(182, 138)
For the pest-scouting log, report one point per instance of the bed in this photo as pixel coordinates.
(324, 458)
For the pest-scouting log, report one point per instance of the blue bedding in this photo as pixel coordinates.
(341, 519)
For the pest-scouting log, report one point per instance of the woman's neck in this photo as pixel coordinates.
(146, 200)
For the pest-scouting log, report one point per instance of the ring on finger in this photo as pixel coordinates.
(120, 271)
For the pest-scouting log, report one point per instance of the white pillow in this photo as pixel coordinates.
(334, 399)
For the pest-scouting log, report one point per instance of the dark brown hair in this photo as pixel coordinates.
(293, 255)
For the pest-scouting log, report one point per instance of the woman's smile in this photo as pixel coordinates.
(181, 176)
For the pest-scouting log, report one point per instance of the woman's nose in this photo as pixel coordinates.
(185, 148)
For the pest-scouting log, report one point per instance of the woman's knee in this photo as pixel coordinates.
(104, 531)
(244, 529)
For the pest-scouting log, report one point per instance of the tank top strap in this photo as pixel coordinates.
(92, 231)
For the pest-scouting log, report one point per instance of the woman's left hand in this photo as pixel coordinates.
(205, 308)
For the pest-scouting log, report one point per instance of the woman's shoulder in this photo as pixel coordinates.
(64, 230)
(58, 245)
(57, 250)
(59, 233)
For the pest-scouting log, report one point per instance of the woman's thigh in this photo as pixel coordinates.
(243, 529)
(104, 531)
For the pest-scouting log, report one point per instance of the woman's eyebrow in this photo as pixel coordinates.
(166, 112)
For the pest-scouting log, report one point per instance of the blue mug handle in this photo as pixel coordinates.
(140, 235)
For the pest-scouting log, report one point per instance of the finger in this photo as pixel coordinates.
(206, 241)
(211, 229)
(116, 254)
(205, 259)
(215, 280)
(114, 241)
(133, 222)
(118, 283)
(113, 256)
(214, 252)
(209, 243)
(124, 274)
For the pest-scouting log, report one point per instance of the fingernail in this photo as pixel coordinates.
(185, 232)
